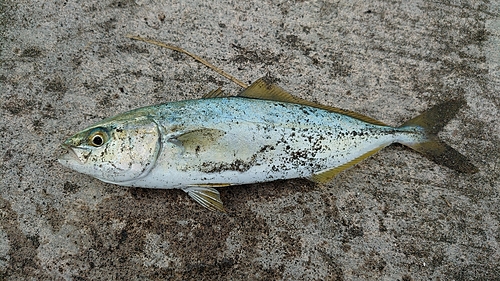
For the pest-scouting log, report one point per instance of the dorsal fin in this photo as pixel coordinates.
(217, 93)
(262, 89)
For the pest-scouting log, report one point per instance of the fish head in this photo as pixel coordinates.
(119, 151)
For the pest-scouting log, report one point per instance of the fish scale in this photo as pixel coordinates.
(261, 135)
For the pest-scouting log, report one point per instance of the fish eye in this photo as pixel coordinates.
(98, 138)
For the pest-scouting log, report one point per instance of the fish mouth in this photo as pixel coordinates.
(73, 154)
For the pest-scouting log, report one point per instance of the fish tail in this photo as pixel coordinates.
(429, 123)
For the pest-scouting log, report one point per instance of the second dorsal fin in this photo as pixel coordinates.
(263, 89)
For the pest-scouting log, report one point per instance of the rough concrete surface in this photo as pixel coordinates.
(396, 216)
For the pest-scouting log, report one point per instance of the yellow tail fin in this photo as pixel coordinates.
(432, 121)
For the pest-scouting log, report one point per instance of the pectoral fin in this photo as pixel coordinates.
(198, 140)
(207, 196)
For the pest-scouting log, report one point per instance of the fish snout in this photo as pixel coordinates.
(73, 155)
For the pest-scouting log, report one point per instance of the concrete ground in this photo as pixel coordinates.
(396, 216)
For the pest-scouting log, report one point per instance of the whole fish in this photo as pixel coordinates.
(263, 134)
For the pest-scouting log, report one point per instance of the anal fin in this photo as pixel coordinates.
(206, 196)
(328, 175)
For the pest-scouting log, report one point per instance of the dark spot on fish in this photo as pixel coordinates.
(266, 148)
(299, 154)
(237, 165)
(305, 110)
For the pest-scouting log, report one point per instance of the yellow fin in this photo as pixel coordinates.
(217, 93)
(207, 197)
(328, 175)
(432, 121)
(262, 89)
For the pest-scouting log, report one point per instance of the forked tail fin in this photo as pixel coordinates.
(432, 121)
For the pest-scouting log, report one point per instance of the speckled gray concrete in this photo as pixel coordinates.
(397, 216)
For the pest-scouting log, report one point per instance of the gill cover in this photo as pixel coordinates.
(118, 152)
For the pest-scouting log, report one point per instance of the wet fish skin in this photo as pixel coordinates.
(265, 134)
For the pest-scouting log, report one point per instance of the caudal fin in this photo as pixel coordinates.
(432, 121)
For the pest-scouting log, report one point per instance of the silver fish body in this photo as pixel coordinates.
(239, 140)
(196, 145)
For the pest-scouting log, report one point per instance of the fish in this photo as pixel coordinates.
(262, 134)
